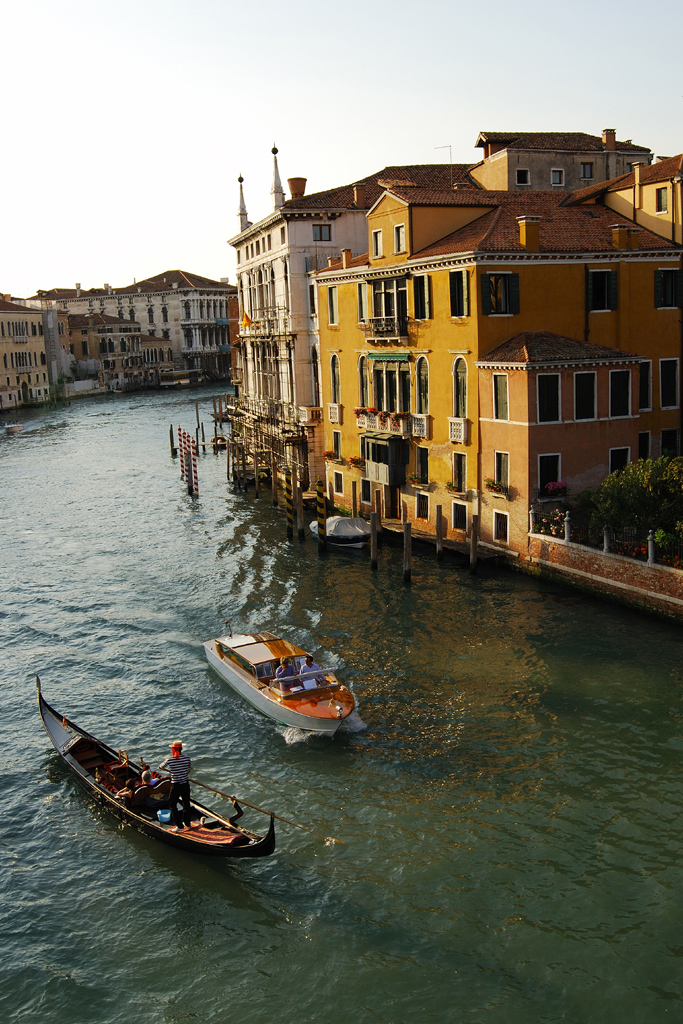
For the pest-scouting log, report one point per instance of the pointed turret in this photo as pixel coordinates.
(242, 212)
(277, 191)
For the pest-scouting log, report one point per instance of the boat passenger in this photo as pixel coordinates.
(311, 674)
(284, 670)
(179, 765)
(126, 793)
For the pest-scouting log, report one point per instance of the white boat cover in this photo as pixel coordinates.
(343, 528)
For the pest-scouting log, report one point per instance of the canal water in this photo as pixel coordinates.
(509, 795)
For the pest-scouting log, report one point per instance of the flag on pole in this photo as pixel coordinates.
(246, 321)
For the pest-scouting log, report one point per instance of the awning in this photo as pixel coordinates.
(376, 435)
(390, 357)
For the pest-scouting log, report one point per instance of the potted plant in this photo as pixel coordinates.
(383, 416)
(356, 461)
(400, 417)
(452, 488)
(556, 489)
(360, 411)
(372, 410)
(330, 456)
(414, 479)
(495, 486)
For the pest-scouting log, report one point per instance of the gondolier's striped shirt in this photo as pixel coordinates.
(178, 767)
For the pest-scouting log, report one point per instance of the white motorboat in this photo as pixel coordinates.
(14, 428)
(347, 533)
(249, 662)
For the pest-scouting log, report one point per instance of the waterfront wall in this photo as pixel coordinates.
(656, 587)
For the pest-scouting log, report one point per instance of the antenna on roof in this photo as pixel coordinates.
(450, 158)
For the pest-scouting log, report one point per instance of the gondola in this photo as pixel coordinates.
(103, 771)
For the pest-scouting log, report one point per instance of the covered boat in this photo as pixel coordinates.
(318, 702)
(348, 533)
(14, 428)
(104, 772)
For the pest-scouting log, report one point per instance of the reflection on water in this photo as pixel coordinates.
(508, 791)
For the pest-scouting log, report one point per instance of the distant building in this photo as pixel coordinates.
(117, 352)
(23, 361)
(193, 313)
(553, 161)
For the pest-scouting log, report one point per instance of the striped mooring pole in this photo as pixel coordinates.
(290, 510)
(322, 518)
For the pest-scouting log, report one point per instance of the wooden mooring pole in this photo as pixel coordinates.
(174, 450)
(474, 528)
(373, 540)
(288, 499)
(354, 499)
(407, 552)
(273, 479)
(256, 480)
(322, 516)
(300, 526)
(439, 533)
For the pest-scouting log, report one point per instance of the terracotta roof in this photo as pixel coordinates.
(562, 228)
(99, 320)
(158, 283)
(356, 261)
(575, 142)
(435, 196)
(663, 170)
(417, 175)
(531, 347)
(15, 307)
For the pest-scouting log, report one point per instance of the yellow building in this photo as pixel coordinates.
(23, 366)
(450, 275)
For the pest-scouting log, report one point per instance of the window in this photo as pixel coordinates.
(338, 483)
(584, 396)
(377, 247)
(336, 443)
(164, 314)
(618, 458)
(619, 393)
(269, 240)
(322, 232)
(333, 312)
(460, 389)
(548, 387)
(422, 506)
(523, 176)
(644, 444)
(131, 313)
(334, 380)
(422, 386)
(459, 516)
(84, 347)
(602, 289)
(311, 299)
(363, 383)
(460, 472)
(400, 238)
(390, 300)
(500, 396)
(661, 202)
(282, 236)
(499, 294)
(557, 176)
(365, 492)
(586, 171)
(548, 473)
(458, 281)
(239, 255)
(421, 296)
(668, 289)
(502, 471)
(645, 386)
(362, 300)
(422, 464)
(668, 383)
(500, 527)
(150, 314)
(669, 442)
(258, 248)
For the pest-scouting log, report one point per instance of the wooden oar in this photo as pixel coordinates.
(328, 839)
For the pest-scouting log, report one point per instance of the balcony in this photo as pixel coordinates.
(422, 425)
(458, 430)
(310, 416)
(381, 473)
(334, 412)
(386, 328)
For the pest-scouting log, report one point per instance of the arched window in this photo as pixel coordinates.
(123, 344)
(131, 313)
(103, 345)
(164, 314)
(170, 355)
(110, 346)
(334, 379)
(460, 388)
(363, 386)
(422, 386)
(186, 308)
(150, 314)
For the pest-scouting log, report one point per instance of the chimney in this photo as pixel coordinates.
(637, 181)
(619, 236)
(78, 289)
(609, 138)
(107, 289)
(331, 260)
(529, 232)
(346, 258)
(359, 195)
(297, 186)
(634, 238)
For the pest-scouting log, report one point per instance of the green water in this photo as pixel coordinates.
(509, 794)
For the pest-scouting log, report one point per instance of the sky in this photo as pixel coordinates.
(128, 122)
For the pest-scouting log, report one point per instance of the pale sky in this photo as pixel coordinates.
(127, 122)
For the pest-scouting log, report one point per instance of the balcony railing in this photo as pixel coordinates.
(334, 412)
(388, 422)
(421, 425)
(384, 327)
(457, 430)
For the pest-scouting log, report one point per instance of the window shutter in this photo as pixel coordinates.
(428, 297)
(514, 293)
(589, 288)
(485, 295)
(465, 293)
(678, 285)
(613, 290)
(659, 290)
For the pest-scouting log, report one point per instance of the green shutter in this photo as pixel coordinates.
(613, 290)
(485, 295)
(659, 290)
(428, 297)
(589, 288)
(465, 293)
(678, 279)
(514, 293)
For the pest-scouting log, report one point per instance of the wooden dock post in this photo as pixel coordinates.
(256, 479)
(174, 450)
(244, 466)
(301, 528)
(373, 540)
(188, 473)
(378, 510)
(354, 499)
(288, 499)
(203, 438)
(220, 411)
(227, 460)
(407, 552)
(322, 516)
(196, 409)
(474, 528)
(273, 479)
(439, 533)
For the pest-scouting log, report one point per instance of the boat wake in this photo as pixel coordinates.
(292, 735)
(353, 723)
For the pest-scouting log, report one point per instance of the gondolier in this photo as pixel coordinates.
(179, 766)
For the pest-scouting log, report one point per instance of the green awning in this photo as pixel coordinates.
(390, 357)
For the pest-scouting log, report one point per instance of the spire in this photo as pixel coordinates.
(277, 191)
(242, 212)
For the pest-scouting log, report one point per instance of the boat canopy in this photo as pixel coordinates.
(259, 647)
